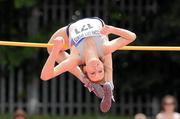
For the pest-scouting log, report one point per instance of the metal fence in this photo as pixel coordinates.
(63, 11)
(65, 94)
(62, 96)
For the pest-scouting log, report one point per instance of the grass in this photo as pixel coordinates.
(68, 117)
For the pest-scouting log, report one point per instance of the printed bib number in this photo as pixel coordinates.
(83, 31)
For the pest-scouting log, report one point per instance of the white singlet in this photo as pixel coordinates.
(163, 116)
(83, 28)
(88, 27)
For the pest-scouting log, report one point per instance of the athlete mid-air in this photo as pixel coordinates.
(90, 55)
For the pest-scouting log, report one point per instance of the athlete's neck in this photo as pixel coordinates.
(169, 113)
(90, 50)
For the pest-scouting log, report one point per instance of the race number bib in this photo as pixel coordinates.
(85, 28)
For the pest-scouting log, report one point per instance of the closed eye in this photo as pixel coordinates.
(93, 73)
(100, 71)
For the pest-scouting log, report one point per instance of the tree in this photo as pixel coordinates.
(140, 71)
(13, 12)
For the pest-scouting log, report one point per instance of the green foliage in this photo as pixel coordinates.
(24, 3)
(14, 11)
(13, 56)
(140, 71)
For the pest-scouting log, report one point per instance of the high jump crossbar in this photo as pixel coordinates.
(46, 45)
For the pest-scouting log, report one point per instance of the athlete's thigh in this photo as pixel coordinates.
(63, 55)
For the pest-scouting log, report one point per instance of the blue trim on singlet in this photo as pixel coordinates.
(76, 44)
(67, 30)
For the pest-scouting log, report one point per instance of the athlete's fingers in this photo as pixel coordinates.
(105, 30)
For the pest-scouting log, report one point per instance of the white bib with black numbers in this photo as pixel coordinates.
(84, 28)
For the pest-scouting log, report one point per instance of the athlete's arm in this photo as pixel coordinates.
(108, 69)
(108, 66)
(76, 71)
(49, 71)
(125, 38)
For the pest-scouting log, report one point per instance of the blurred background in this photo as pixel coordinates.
(141, 78)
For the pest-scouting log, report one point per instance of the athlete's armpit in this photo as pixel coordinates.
(112, 46)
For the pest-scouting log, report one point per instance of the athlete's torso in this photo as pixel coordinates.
(175, 116)
(88, 28)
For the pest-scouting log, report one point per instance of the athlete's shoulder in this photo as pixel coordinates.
(159, 116)
(177, 115)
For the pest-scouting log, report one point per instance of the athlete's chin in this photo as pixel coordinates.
(93, 62)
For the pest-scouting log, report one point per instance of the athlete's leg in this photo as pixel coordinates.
(106, 101)
(48, 68)
(108, 86)
(76, 71)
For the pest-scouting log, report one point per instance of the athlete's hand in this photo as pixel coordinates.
(96, 88)
(58, 43)
(88, 84)
(106, 30)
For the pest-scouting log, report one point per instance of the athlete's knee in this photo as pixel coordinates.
(61, 39)
(45, 77)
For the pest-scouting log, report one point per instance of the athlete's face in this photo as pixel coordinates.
(19, 117)
(169, 105)
(95, 70)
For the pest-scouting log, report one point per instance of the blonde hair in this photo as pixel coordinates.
(140, 116)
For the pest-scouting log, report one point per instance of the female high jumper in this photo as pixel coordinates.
(91, 50)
